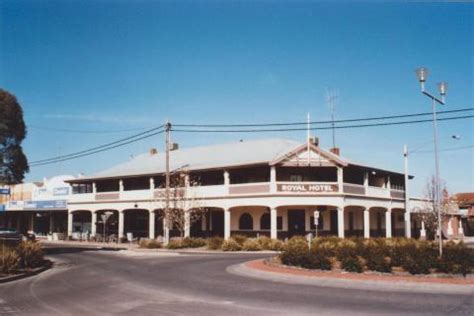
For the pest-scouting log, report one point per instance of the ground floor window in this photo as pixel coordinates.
(246, 222)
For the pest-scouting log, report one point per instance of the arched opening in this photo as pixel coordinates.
(136, 221)
(107, 225)
(265, 221)
(81, 223)
(246, 222)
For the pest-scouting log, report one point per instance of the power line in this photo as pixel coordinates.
(314, 128)
(446, 149)
(53, 129)
(327, 122)
(100, 146)
(96, 151)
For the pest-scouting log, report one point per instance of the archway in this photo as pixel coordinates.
(136, 221)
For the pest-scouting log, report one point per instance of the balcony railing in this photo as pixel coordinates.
(258, 188)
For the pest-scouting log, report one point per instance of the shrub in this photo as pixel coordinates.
(149, 243)
(174, 244)
(419, 257)
(346, 249)
(231, 245)
(322, 254)
(352, 264)
(240, 239)
(265, 242)
(276, 245)
(10, 261)
(376, 254)
(296, 252)
(189, 242)
(457, 259)
(215, 243)
(30, 253)
(251, 245)
(397, 249)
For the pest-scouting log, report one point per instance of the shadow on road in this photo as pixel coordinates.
(62, 250)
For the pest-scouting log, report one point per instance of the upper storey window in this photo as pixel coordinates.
(250, 175)
(307, 174)
(81, 188)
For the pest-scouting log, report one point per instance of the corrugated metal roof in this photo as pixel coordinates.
(226, 155)
(202, 158)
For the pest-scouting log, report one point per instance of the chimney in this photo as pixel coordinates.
(335, 150)
(174, 146)
(153, 151)
(314, 140)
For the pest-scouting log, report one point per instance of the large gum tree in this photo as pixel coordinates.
(13, 162)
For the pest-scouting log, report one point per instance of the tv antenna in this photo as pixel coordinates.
(331, 99)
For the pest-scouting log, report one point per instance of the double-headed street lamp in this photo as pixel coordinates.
(422, 74)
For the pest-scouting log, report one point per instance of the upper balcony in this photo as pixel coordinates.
(264, 180)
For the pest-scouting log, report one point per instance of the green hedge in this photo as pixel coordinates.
(378, 254)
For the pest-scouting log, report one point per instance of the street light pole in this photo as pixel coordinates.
(422, 74)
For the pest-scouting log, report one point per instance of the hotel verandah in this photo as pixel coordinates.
(261, 187)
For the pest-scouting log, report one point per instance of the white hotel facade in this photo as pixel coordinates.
(261, 187)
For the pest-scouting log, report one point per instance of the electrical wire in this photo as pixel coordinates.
(100, 146)
(327, 122)
(313, 128)
(54, 129)
(445, 149)
(96, 151)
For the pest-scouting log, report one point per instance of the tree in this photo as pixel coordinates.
(429, 215)
(13, 162)
(183, 202)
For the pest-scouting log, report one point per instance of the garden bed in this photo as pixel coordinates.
(274, 265)
(26, 258)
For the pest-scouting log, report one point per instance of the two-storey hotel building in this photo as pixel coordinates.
(260, 187)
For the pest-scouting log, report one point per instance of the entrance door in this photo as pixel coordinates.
(296, 223)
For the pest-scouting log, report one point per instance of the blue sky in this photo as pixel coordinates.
(126, 65)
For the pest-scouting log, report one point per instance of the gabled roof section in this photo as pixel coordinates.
(317, 157)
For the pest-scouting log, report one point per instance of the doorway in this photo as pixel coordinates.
(296, 223)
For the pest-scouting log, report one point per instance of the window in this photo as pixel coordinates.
(80, 188)
(246, 222)
(296, 178)
(265, 221)
(279, 223)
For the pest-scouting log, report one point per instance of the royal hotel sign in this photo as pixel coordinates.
(307, 188)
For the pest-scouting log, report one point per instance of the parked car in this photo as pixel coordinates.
(10, 236)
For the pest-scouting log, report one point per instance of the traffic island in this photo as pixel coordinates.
(26, 273)
(274, 265)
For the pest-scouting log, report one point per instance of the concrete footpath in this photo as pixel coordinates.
(255, 270)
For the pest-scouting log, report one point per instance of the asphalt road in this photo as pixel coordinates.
(92, 282)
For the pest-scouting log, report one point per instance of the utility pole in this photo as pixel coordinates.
(167, 183)
(407, 196)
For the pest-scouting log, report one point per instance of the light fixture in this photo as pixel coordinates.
(443, 88)
(422, 73)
